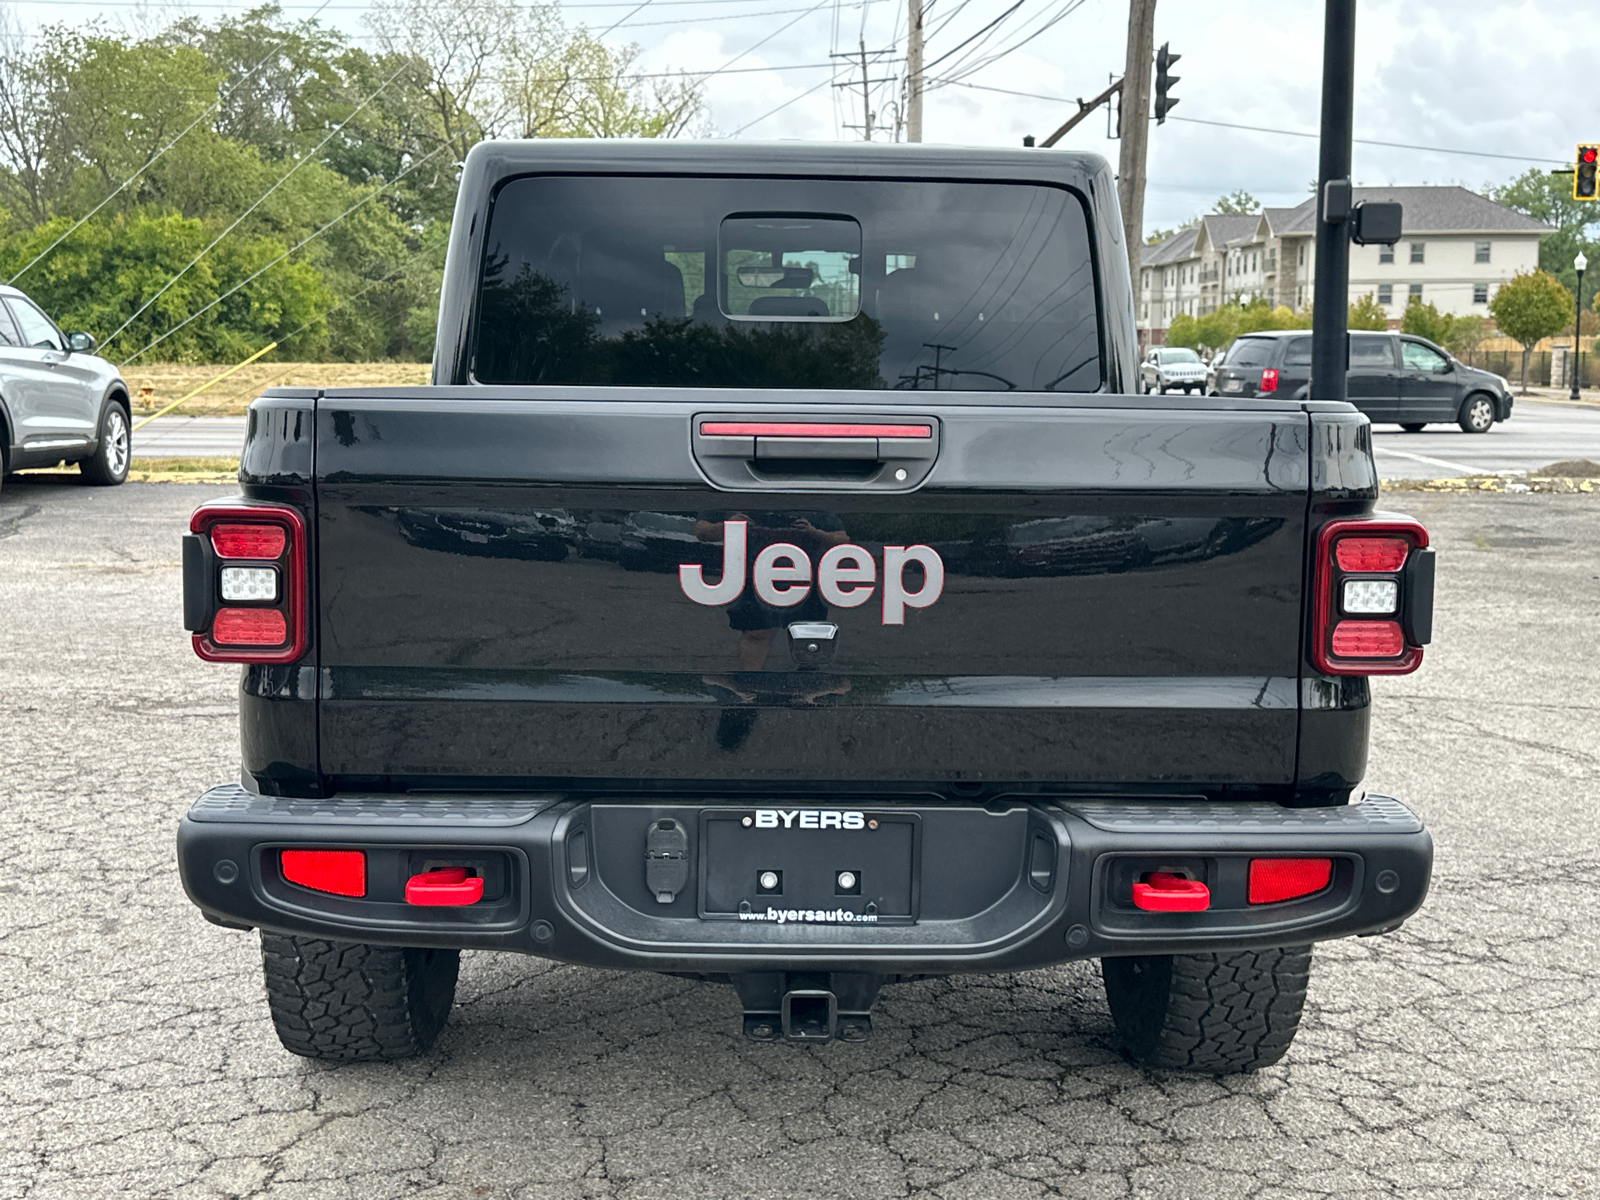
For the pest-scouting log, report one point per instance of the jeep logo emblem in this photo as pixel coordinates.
(846, 576)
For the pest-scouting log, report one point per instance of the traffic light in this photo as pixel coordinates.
(1584, 186)
(1164, 81)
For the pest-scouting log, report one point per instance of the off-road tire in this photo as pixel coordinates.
(346, 1002)
(1477, 414)
(1216, 1013)
(108, 465)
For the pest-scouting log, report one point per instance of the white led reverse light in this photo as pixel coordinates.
(1371, 595)
(249, 583)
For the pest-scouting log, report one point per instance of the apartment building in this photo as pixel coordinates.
(1457, 248)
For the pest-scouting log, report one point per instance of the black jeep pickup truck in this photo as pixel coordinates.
(780, 585)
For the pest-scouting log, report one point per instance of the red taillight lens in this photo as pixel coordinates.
(248, 541)
(1371, 553)
(249, 627)
(1368, 639)
(246, 614)
(1275, 879)
(337, 872)
(1369, 568)
(1269, 380)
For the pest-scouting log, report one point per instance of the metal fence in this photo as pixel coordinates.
(1509, 364)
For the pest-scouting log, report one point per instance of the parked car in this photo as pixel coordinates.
(1393, 377)
(58, 400)
(1170, 367)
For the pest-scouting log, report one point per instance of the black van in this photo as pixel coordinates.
(1394, 377)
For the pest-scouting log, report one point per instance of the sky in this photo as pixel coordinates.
(1493, 78)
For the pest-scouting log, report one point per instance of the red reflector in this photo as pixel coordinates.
(249, 627)
(1275, 879)
(248, 541)
(1368, 639)
(338, 872)
(797, 429)
(1371, 553)
(1269, 380)
(1166, 892)
(444, 886)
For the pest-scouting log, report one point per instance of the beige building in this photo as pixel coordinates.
(1457, 248)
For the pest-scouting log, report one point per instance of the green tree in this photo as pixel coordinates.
(1367, 313)
(1465, 334)
(1424, 320)
(1184, 330)
(1240, 202)
(1528, 309)
(1548, 198)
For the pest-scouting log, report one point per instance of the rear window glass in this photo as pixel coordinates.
(755, 283)
(1251, 352)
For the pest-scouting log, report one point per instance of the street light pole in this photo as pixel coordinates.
(1579, 263)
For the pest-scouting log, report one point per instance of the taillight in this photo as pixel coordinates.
(244, 582)
(337, 872)
(1373, 594)
(248, 541)
(1269, 380)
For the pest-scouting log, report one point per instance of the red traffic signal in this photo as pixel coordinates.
(1585, 186)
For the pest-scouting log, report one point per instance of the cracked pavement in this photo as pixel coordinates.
(1454, 1058)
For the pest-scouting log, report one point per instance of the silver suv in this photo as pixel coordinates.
(58, 400)
(1167, 368)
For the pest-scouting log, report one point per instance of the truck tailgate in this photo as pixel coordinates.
(503, 601)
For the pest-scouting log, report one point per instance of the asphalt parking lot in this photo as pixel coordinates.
(1455, 1058)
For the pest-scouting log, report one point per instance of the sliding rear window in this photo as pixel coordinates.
(792, 283)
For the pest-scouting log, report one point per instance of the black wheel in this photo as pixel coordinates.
(1413, 426)
(1216, 1013)
(109, 464)
(346, 1002)
(1477, 414)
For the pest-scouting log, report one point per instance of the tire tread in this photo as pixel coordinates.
(349, 1002)
(1214, 1013)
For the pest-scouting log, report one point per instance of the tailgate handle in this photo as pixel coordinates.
(871, 453)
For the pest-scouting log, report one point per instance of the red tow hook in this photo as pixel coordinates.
(447, 886)
(1166, 892)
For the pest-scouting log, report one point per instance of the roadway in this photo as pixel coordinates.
(1454, 1058)
(1540, 432)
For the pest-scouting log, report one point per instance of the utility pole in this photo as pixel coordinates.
(1136, 126)
(866, 100)
(914, 71)
(1330, 334)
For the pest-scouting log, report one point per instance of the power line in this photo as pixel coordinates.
(623, 20)
(282, 179)
(748, 49)
(1267, 129)
(1067, 9)
(215, 104)
(980, 33)
(781, 107)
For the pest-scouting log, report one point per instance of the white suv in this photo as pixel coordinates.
(1169, 367)
(58, 400)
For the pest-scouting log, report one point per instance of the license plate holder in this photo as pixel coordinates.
(883, 853)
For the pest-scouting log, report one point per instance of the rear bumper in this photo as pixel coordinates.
(996, 887)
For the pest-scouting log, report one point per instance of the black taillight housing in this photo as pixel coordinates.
(1373, 596)
(244, 583)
